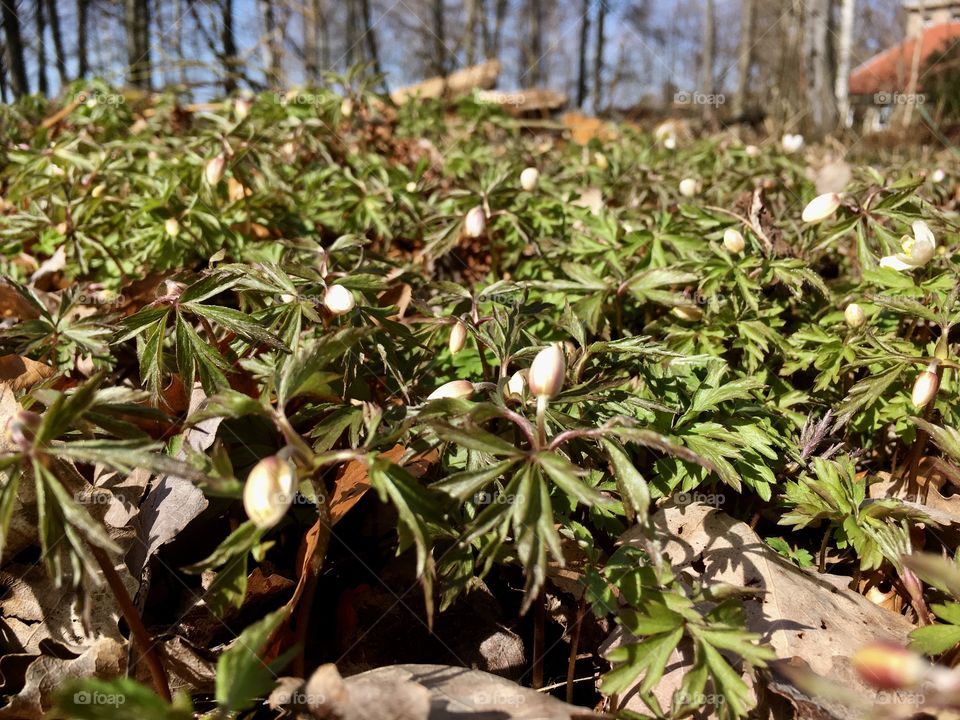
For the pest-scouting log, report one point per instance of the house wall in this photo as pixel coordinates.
(923, 13)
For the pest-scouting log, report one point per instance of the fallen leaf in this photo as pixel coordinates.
(801, 614)
(20, 373)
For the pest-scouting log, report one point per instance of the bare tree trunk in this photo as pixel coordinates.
(83, 15)
(470, 33)
(15, 62)
(53, 18)
(271, 45)
(914, 68)
(532, 61)
(499, 13)
(371, 35)
(311, 33)
(598, 56)
(229, 41)
(582, 60)
(438, 62)
(42, 86)
(842, 86)
(3, 73)
(744, 56)
(351, 33)
(136, 21)
(709, 53)
(822, 102)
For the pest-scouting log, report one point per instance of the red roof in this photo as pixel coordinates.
(889, 71)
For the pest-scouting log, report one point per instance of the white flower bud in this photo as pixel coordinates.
(242, 105)
(516, 384)
(854, 315)
(98, 190)
(339, 300)
(346, 107)
(601, 160)
(752, 151)
(925, 386)
(269, 491)
(475, 223)
(411, 187)
(687, 312)
(458, 337)
(938, 176)
(670, 142)
(791, 143)
(172, 226)
(821, 207)
(733, 241)
(529, 179)
(688, 187)
(457, 389)
(213, 170)
(547, 371)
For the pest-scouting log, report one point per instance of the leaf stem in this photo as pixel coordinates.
(134, 622)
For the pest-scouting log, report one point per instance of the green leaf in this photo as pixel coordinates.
(242, 676)
(633, 487)
(117, 699)
(567, 477)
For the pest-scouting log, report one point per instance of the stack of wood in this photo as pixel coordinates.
(482, 77)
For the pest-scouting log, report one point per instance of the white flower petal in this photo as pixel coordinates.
(895, 262)
(923, 234)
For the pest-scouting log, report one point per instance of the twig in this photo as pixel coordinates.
(539, 620)
(574, 643)
(134, 622)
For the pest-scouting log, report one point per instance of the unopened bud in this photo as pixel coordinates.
(601, 160)
(269, 491)
(411, 187)
(456, 389)
(925, 386)
(854, 315)
(172, 226)
(938, 176)
(339, 300)
(687, 312)
(22, 428)
(98, 190)
(688, 187)
(670, 142)
(889, 667)
(529, 179)
(213, 170)
(547, 371)
(791, 143)
(733, 241)
(458, 337)
(475, 223)
(241, 106)
(752, 151)
(821, 207)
